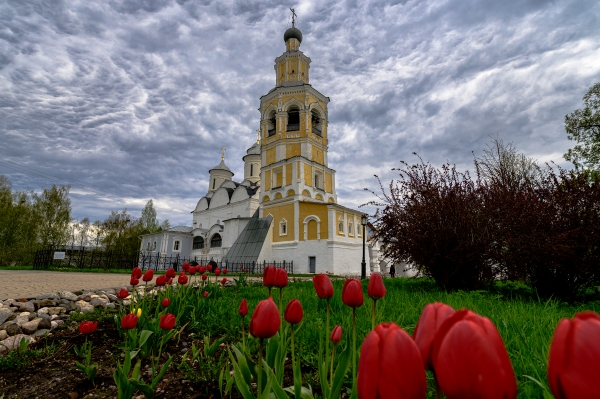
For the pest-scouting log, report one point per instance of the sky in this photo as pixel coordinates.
(132, 100)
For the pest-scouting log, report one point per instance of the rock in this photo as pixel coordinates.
(40, 332)
(48, 296)
(26, 307)
(6, 324)
(99, 301)
(112, 298)
(63, 302)
(13, 342)
(42, 311)
(53, 325)
(56, 310)
(22, 319)
(126, 302)
(44, 315)
(84, 307)
(70, 306)
(68, 296)
(110, 306)
(11, 302)
(3, 335)
(84, 297)
(32, 316)
(13, 329)
(5, 313)
(46, 303)
(31, 326)
(44, 324)
(58, 322)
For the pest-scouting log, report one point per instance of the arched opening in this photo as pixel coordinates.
(278, 195)
(198, 243)
(293, 122)
(319, 197)
(271, 124)
(216, 241)
(316, 122)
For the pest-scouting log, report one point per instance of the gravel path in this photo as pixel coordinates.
(31, 283)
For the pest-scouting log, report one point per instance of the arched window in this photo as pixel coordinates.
(154, 245)
(271, 124)
(293, 122)
(198, 243)
(316, 122)
(283, 227)
(216, 241)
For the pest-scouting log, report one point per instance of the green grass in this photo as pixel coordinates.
(525, 322)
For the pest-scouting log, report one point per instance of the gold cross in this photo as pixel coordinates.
(293, 16)
(222, 153)
(258, 135)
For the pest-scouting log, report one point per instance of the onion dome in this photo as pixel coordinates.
(254, 150)
(221, 166)
(292, 33)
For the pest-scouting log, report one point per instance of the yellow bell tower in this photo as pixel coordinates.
(293, 129)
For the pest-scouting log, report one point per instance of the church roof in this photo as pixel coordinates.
(248, 245)
(254, 150)
(221, 166)
(180, 229)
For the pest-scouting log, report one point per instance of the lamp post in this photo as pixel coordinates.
(363, 266)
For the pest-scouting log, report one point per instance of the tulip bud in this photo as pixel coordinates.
(281, 278)
(204, 277)
(243, 311)
(470, 360)
(182, 279)
(352, 294)
(376, 289)
(573, 370)
(293, 312)
(432, 317)
(217, 272)
(87, 327)
(323, 286)
(269, 276)
(336, 334)
(161, 281)
(134, 281)
(202, 270)
(223, 281)
(148, 276)
(192, 270)
(224, 271)
(165, 303)
(205, 294)
(265, 321)
(170, 273)
(129, 321)
(170, 281)
(167, 322)
(136, 272)
(185, 266)
(139, 312)
(209, 267)
(390, 365)
(122, 294)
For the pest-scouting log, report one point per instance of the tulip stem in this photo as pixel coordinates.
(438, 390)
(260, 349)
(293, 359)
(373, 315)
(243, 334)
(280, 307)
(327, 332)
(331, 372)
(353, 348)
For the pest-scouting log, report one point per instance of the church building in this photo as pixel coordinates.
(286, 207)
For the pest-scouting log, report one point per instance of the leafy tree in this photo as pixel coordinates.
(53, 207)
(583, 126)
(148, 219)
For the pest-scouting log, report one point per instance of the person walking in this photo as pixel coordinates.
(392, 270)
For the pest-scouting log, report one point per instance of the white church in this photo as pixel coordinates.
(286, 207)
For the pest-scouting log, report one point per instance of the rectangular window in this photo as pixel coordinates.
(176, 245)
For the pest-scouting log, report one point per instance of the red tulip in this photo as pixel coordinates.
(265, 321)
(148, 276)
(192, 270)
(122, 294)
(185, 266)
(432, 317)
(129, 321)
(352, 294)
(134, 281)
(281, 278)
(136, 272)
(243, 311)
(336, 335)
(182, 279)
(88, 327)
(224, 271)
(470, 360)
(161, 281)
(323, 286)
(269, 276)
(170, 273)
(376, 289)
(217, 272)
(204, 277)
(205, 294)
(223, 281)
(293, 311)
(209, 267)
(170, 281)
(390, 365)
(167, 322)
(573, 368)
(165, 303)
(202, 270)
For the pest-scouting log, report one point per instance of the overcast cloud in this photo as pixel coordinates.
(134, 99)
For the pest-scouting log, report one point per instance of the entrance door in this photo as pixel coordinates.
(312, 264)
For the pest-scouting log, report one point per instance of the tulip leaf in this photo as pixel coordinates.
(144, 336)
(144, 388)
(163, 370)
(243, 364)
(212, 349)
(240, 382)
(277, 390)
(272, 348)
(135, 374)
(340, 372)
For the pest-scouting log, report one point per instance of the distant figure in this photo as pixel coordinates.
(392, 270)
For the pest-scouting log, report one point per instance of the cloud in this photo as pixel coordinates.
(135, 99)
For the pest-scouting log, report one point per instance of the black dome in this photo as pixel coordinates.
(292, 33)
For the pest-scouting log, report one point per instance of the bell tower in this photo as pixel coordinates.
(293, 130)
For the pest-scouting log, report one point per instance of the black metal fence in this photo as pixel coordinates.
(95, 258)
